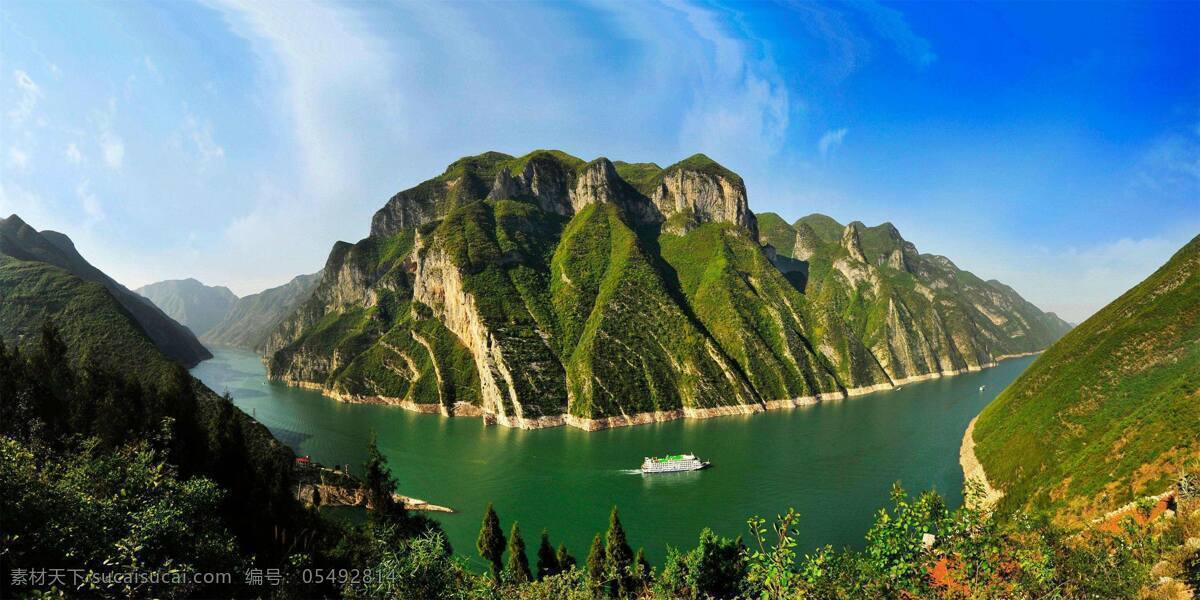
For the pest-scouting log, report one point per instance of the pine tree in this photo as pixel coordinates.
(641, 568)
(596, 562)
(618, 555)
(547, 562)
(518, 563)
(380, 485)
(566, 562)
(491, 541)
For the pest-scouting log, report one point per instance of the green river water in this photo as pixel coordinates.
(834, 462)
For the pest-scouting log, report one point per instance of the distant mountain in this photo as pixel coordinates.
(916, 313)
(24, 244)
(198, 306)
(250, 320)
(1110, 412)
(544, 290)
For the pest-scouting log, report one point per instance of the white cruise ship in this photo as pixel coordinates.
(673, 463)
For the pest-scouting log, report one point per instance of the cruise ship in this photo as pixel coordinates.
(673, 463)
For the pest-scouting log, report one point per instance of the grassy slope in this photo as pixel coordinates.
(90, 320)
(99, 332)
(1111, 410)
(503, 248)
(628, 346)
(759, 319)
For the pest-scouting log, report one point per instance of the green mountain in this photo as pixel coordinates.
(198, 306)
(543, 289)
(113, 454)
(1108, 413)
(23, 244)
(250, 320)
(917, 314)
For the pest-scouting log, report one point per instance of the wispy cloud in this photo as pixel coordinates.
(73, 154)
(889, 24)
(17, 158)
(88, 200)
(199, 138)
(832, 140)
(29, 93)
(112, 146)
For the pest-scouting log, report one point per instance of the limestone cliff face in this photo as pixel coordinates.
(542, 290)
(439, 285)
(544, 178)
(919, 315)
(706, 195)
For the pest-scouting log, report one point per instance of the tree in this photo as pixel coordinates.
(518, 563)
(641, 568)
(380, 485)
(618, 555)
(547, 562)
(491, 541)
(596, 562)
(566, 562)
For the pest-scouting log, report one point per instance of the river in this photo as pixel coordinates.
(834, 462)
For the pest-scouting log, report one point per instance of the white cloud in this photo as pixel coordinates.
(112, 148)
(17, 158)
(88, 200)
(73, 154)
(831, 141)
(152, 68)
(890, 24)
(740, 102)
(30, 94)
(201, 138)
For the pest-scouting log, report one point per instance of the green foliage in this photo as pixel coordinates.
(565, 561)
(120, 510)
(491, 542)
(51, 401)
(597, 564)
(773, 230)
(750, 309)
(644, 177)
(413, 567)
(717, 568)
(547, 561)
(771, 557)
(380, 485)
(618, 557)
(1110, 412)
(518, 562)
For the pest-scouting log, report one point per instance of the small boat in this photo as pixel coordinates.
(899, 387)
(981, 387)
(673, 463)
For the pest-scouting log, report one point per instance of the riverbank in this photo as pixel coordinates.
(973, 469)
(318, 485)
(463, 409)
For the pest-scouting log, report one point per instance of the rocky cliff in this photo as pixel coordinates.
(544, 290)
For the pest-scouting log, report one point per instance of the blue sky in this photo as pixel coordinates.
(1055, 147)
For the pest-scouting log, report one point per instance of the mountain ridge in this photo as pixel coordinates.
(1107, 414)
(563, 293)
(22, 242)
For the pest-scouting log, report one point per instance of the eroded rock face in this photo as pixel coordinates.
(544, 179)
(707, 197)
(852, 243)
(477, 295)
(504, 383)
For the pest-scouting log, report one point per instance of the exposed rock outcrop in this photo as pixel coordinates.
(543, 290)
